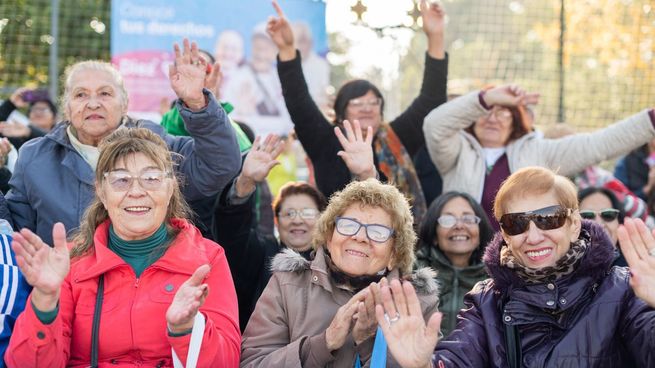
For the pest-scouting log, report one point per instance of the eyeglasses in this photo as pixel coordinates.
(448, 221)
(305, 213)
(375, 232)
(359, 103)
(608, 214)
(121, 181)
(501, 114)
(547, 218)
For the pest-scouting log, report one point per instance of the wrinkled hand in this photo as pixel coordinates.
(339, 329)
(638, 244)
(366, 325)
(357, 150)
(14, 129)
(213, 78)
(189, 298)
(43, 267)
(17, 97)
(433, 16)
(281, 33)
(187, 75)
(410, 340)
(510, 95)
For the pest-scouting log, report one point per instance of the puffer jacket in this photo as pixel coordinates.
(454, 283)
(590, 318)
(53, 183)
(287, 328)
(133, 330)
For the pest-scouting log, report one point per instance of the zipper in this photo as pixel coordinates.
(454, 301)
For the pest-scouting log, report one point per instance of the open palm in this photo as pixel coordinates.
(44, 267)
(638, 246)
(188, 299)
(187, 73)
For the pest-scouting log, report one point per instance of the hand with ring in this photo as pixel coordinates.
(638, 247)
(410, 340)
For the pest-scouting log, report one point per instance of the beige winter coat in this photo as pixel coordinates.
(287, 328)
(459, 158)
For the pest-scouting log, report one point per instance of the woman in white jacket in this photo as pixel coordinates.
(477, 140)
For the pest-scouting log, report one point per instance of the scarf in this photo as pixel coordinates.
(396, 164)
(563, 267)
(354, 284)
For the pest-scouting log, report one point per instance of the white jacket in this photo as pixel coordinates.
(460, 160)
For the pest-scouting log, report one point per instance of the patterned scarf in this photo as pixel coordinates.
(394, 162)
(564, 266)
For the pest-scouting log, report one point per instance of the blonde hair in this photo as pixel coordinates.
(95, 65)
(535, 180)
(117, 146)
(372, 193)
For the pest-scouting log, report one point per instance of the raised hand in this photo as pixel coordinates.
(410, 340)
(366, 325)
(281, 33)
(638, 247)
(17, 97)
(44, 267)
(433, 16)
(339, 329)
(187, 75)
(14, 129)
(258, 163)
(357, 151)
(213, 77)
(189, 298)
(509, 95)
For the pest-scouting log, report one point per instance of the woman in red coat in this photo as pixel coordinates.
(139, 281)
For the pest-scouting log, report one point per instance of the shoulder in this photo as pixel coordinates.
(289, 261)
(424, 280)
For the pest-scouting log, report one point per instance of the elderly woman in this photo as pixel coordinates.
(453, 235)
(553, 299)
(138, 276)
(394, 143)
(602, 206)
(476, 141)
(53, 179)
(320, 313)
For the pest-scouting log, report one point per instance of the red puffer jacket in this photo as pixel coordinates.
(133, 323)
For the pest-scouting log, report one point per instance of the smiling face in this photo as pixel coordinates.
(95, 106)
(536, 248)
(136, 213)
(357, 255)
(459, 241)
(494, 130)
(296, 232)
(367, 109)
(42, 116)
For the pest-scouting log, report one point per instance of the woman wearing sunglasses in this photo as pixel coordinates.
(139, 281)
(553, 298)
(602, 206)
(321, 313)
(452, 236)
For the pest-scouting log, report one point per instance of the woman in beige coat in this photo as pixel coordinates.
(321, 313)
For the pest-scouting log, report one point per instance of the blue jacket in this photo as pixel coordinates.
(52, 182)
(14, 288)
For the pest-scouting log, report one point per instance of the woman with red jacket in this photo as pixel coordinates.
(135, 288)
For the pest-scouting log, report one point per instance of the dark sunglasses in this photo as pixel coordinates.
(547, 218)
(608, 214)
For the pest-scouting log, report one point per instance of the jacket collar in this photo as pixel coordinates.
(594, 264)
(423, 279)
(178, 258)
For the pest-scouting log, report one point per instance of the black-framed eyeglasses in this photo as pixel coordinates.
(121, 181)
(607, 214)
(547, 218)
(306, 213)
(347, 226)
(448, 221)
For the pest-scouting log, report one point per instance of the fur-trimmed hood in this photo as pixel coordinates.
(595, 263)
(423, 279)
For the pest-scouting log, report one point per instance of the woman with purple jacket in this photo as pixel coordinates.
(553, 298)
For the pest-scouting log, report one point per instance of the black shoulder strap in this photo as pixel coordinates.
(512, 342)
(96, 321)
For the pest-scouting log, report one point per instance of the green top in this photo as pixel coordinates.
(139, 253)
(174, 125)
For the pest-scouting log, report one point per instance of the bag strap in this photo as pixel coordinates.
(379, 354)
(197, 332)
(96, 321)
(512, 342)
